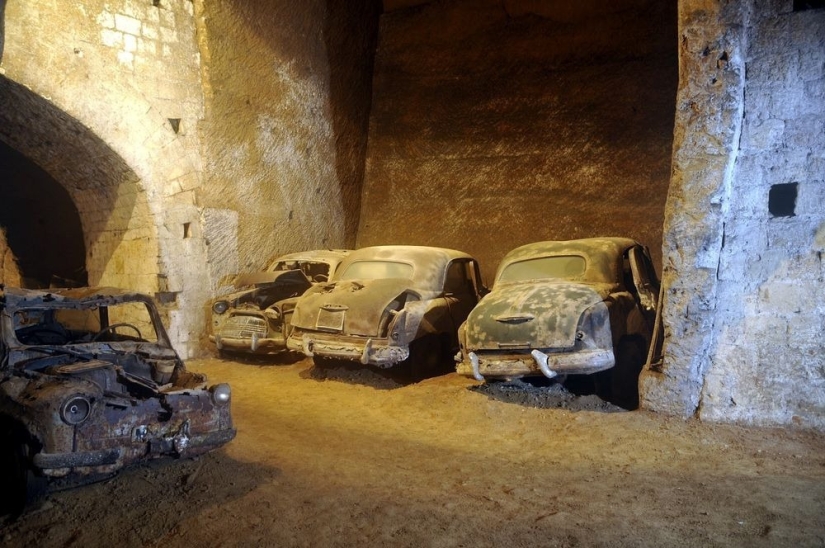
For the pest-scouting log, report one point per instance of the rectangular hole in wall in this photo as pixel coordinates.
(802, 5)
(782, 200)
(186, 230)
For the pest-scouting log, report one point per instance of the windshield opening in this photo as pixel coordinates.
(377, 270)
(129, 321)
(313, 270)
(564, 267)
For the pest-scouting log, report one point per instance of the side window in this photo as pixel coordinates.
(458, 280)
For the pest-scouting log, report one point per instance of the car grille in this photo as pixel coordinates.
(243, 327)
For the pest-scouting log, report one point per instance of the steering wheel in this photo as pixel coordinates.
(320, 278)
(114, 326)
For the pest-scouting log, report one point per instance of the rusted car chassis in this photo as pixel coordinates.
(83, 398)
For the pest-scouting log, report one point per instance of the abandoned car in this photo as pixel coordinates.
(255, 318)
(568, 307)
(386, 304)
(90, 383)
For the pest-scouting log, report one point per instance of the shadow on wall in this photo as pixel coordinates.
(103, 189)
(2, 27)
(42, 224)
(351, 54)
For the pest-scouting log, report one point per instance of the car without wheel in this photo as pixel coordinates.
(90, 383)
(255, 318)
(566, 307)
(386, 304)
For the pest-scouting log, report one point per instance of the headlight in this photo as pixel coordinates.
(76, 410)
(220, 307)
(221, 394)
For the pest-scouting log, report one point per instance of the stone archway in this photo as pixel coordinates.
(119, 235)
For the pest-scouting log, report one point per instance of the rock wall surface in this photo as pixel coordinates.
(287, 88)
(9, 273)
(496, 124)
(104, 96)
(194, 138)
(745, 226)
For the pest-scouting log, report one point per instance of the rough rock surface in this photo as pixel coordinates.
(745, 227)
(9, 274)
(496, 124)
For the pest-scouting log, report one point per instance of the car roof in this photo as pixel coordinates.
(429, 262)
(602, 254)
(323, 255)
(20, 297)
(330, 256)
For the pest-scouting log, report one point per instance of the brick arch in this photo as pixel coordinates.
(119, 234)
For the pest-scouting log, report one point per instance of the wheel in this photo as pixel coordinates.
(18, 482)
(630, 358)
(115, 326)
(427, 357)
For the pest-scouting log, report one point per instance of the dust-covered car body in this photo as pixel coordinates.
(564, 307)
(384, 299)
(255, 319)
(90, 383)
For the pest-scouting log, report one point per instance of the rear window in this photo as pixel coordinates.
(561, 267)
(376, 270)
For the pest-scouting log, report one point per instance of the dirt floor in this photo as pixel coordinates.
(347, 457)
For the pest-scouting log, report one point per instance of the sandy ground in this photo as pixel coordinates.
(341, 457)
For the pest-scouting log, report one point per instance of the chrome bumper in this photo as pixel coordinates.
(366, 351)
(536, 363)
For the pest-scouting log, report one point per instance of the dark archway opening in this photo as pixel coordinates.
(42, 224)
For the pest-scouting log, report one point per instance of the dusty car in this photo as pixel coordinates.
(255, 319)
(90, 383)
(386, 304)
(566, 307)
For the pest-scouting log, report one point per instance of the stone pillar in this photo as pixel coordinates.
(709, 111)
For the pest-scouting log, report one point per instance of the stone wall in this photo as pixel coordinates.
(9, 273)
(287, 88)
(496, 124)
(194, 138)
(745, 226)
(95, 101)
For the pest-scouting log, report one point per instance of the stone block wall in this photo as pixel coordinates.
(195, 139)
(745, 224)
(118, 87)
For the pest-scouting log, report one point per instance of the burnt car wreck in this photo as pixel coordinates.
(388, 305)
(255, 318)
(566, 308)
(90, 383)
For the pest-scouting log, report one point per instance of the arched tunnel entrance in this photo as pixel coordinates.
(41, 223)
(73, 211)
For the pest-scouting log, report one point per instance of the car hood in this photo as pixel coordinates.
(263, 289)
(531, 315)
(355, 305)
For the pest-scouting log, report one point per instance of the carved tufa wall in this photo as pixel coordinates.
(745, 226)
(192, 133)
(496, 124)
